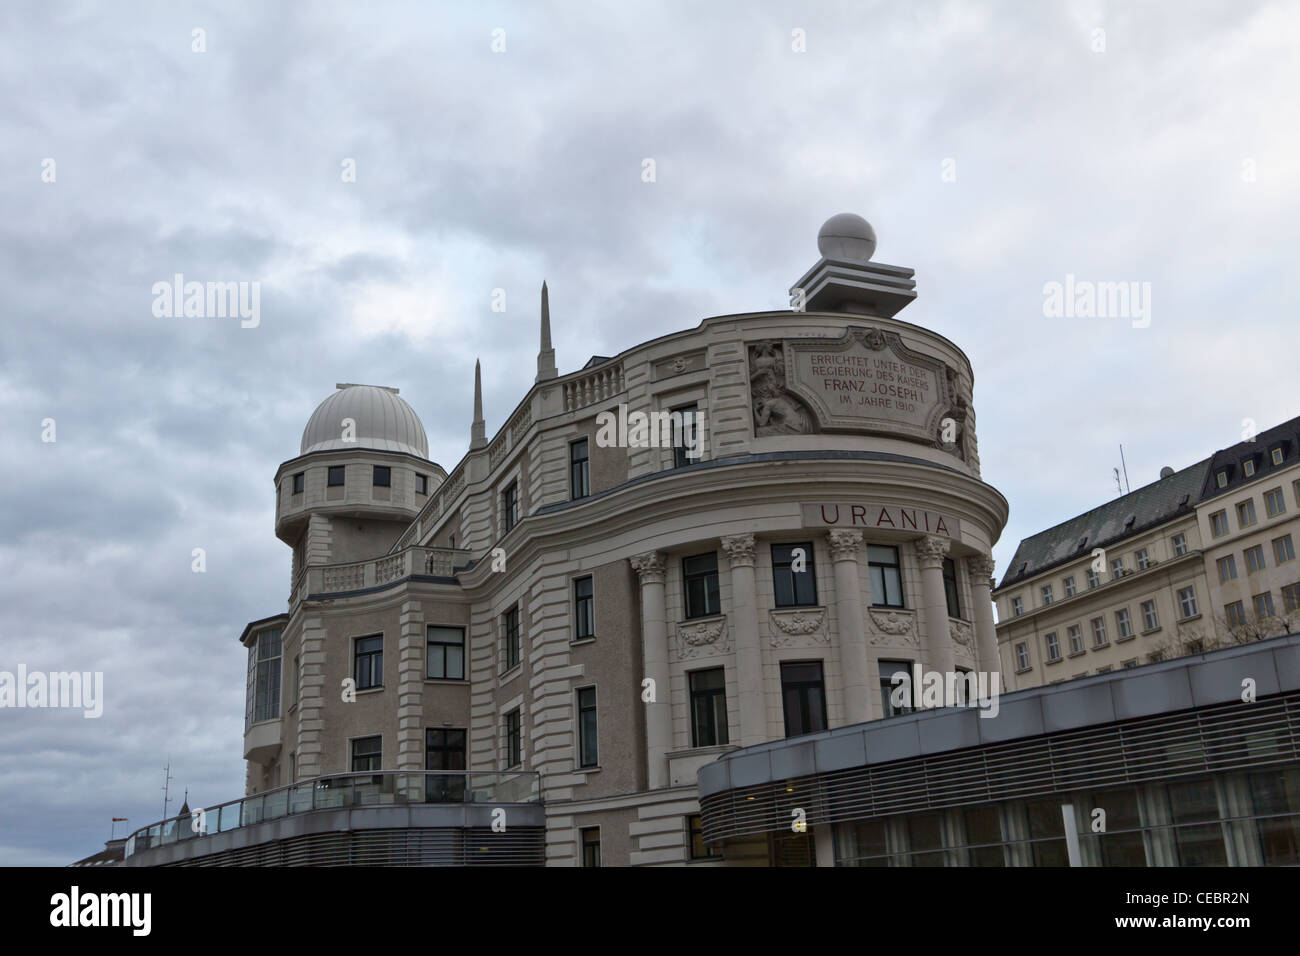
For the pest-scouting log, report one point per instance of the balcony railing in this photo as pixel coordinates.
(336, 791)
(376, 572)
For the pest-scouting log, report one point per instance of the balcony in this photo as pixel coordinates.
(320, 819)
(262, 740)
(381, 571)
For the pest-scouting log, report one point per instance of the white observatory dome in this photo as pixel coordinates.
(384, 422)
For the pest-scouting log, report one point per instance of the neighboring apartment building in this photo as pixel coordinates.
(1202, 558)
(571, 623)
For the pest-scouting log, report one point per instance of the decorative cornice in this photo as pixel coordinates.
(740, 549)
(931, 551)
(649, 566)
(845, 545)
(789, 625)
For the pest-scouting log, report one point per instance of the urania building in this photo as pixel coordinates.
(672, 647)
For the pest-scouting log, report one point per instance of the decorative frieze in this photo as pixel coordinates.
(798, 627)
(962, 634)
(894, 628)
(701, 638)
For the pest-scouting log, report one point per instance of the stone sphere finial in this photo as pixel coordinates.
(847, 236)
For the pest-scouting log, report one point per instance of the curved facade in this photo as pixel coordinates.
(721, 537)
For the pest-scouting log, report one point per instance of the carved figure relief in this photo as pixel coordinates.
(776, 411)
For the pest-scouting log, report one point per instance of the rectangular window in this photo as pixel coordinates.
(1195, 802)
(804, 697)
(1076, 639)
(1068, 584)
(1283, 549)
(1017, 606)
(1219, 524)
(925, 832)
(444, 652)
(699, 850)
(1263, 605)
(590, 846)
(708, 707)
(1094, 579)
(1277, 456)
(686, 435)
(421, 484)
(700, 583)
(1235, 613)
(510, 507)
(383, 476)
(1098, 632)
(1291, 597)
(510, 633)
(1275, 795)
(1047, 593)
(886, 577)
(1180, 545)
(793, 577)
(889, 670)
(1047, 833)
(298, 480)
(1131, 662)
(1295, 492)
(1248, 468)
(1221, 479)
(1053, 646)
(1117, 569)
(367, 754)
(297, 669)
(1255, 559)
(1123, 626)
(1227, 568)
(1246, 513)
(950, 591)
(1274, 503)
(984, 834)
(1142, 558)
(369, 662)
(444, 750)
(587, 752)
(263, 699)
(335, 476)
(1187, 602)
(1150, 620)
(513, 732)
(584, 608)
(1022, 656)
(1104, 670)
(579, 470)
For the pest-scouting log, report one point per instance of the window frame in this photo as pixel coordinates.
(510, 636)
(1190, 590)
(581, 711)
(885, 579)
(512, 734)
(580, 469)
(712, 599)
(804, 691)
(807, 578)
(584, 608)
(714, 701)
(430, 642)
(1179, 541)
(373, 659)
(509, 507)
(342, 471)
(381, 471)
(298, 483)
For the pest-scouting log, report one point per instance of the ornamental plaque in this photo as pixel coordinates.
(868, 380)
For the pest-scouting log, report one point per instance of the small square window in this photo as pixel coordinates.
(1221, 479)
(335, 478)
(383, 476)
(1277, 456)
(1248, 469)
(1180, 545)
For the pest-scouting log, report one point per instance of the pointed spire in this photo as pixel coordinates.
(478, 430)
(546, 355)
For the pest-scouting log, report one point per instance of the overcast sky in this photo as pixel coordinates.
(1169, 157)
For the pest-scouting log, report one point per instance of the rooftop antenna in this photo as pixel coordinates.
(112, 830)
(167, 779)
(1119, 488)
(1127, 486)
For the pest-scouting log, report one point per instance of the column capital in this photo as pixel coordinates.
(740, 549)
(981, 567)
(845, 544)
(931, 550)
(649, 566)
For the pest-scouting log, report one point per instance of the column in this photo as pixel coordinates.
(654, 643)
(311, 709)
(980, 569)
(845, 547)
(931, 551)
(743, 619)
